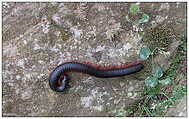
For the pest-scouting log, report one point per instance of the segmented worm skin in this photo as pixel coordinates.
(58, 78)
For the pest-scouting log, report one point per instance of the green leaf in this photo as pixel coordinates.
(157, 71)
(166, 81)
(134, 9)
(153, 91)
(144, 53)
(180, 22)
(151, 82)
(145, 18)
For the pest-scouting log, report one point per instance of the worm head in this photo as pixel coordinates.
(63, 84)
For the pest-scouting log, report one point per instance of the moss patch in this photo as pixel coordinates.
(159, 36)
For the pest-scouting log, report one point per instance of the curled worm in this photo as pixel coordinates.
(58, 78)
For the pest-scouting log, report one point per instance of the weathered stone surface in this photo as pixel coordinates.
(39, 36)
(179, 109)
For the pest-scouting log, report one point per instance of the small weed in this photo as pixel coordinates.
(144, 53)
(134, 9)
(136, 17)
(156, 98)
(145, 18)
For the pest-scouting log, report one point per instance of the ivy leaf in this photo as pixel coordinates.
(166, 81)
(145, 53)
(151, 82)
(157, 71)
(145, 18)
(134, 9)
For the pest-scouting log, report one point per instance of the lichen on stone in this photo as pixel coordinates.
(63, 34)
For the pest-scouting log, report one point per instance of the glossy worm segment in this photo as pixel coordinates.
(58, 78)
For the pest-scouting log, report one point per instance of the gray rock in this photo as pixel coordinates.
(37, 37)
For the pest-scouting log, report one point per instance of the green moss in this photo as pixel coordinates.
(159, 36)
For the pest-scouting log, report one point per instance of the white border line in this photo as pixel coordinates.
(1, 45)
(187, 58)
(94, 1)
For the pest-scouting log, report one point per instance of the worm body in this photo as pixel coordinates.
(58, 78)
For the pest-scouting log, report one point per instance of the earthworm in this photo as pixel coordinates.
(59, 78)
